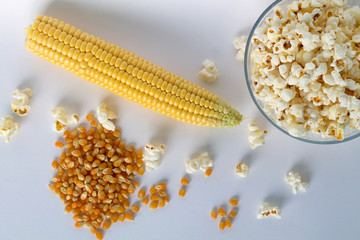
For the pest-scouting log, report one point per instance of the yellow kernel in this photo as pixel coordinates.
(162, 193)
(154, 197)
(136, 184)
(129, 216)
(228, 223)
(153, 190)
(160, 186)
(145, 201)
(76, 153)
(222, 224)
(106, 225)
(208, 172)
(161, 203)
(141, 194)
(59, 144)
(233, 213)
(233, 202)
(89, 117)
(213, 214)
(135, 208)
(185, 181)
(153, 205)
(182, 192)
(121, 217)
(79, 224)
(99, 235)
(221, 212)
(93, 123)
(113, 218)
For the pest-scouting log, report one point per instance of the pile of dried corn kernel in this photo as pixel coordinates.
(225, 220)
(158, 196)
(95, 176)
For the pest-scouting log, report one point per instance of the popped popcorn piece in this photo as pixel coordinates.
(62, 119)
(20, 105)
(240, 45)
(296, 183)
(242, 170)
(203, 162)
(267, 211)
(105, 116)
(307, 66)
(8, 128)
(256, 136)
(152, 156)
(209, 73)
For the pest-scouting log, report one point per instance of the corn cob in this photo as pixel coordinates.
(127, 75)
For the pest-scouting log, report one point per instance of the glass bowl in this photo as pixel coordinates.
(310, 137)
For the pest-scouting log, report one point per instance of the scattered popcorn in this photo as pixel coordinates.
(62, 119)
(152, 156)
(294, 180)
(20, 105)
(209, 73)
(240, 45)
(307, 67)
(104, 116)
(8, 128)
(266, 211)
(203, 162)
(256, 136)
(242, 170)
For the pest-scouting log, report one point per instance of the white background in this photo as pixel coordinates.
(177, 35)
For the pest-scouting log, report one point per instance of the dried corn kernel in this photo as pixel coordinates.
(208, 172)
(145, 201)
(182, 192)
(233, 202)
(233, 213)
(141, 194)
(135, 208)
(222, 224)
(221, 212)
(185, 181)
(129, 216)
(228, 223)
(153, 190)
(59, 144)
(213, 214)
(153, 205)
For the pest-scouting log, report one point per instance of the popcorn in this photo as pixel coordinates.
(294, 180)
(8, 128)
(240, 45)
(105, 116)
(203, 162)
(307, 66)
(287, 94)
(209, 73)
(242, 170)
(256, 137)
(62, 119)
(152, 156)
(267, 211)
(20, 105)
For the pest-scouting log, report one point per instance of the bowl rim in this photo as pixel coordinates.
(247, 79)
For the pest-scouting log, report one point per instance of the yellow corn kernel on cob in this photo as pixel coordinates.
(127, 75)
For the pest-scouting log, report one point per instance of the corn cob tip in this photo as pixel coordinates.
(234, 118)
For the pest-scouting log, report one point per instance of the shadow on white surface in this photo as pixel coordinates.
(304, 170)
(276, 200)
